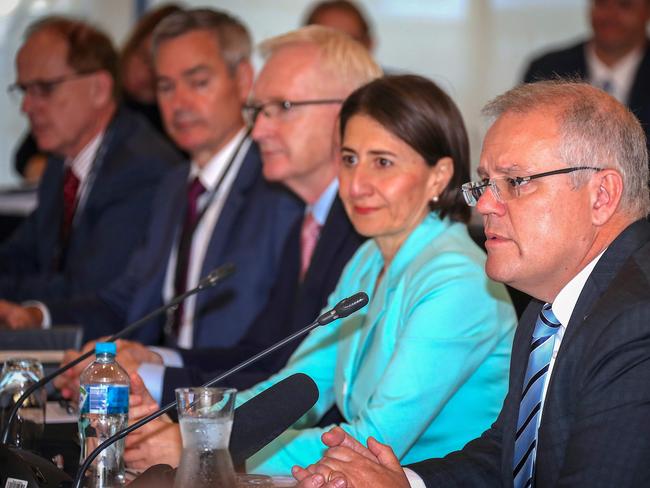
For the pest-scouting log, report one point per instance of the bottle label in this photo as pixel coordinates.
(104, 399)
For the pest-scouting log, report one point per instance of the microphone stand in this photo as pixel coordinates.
(209, 281)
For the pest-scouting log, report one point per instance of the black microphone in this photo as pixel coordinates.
(342, 309)
(265, 416)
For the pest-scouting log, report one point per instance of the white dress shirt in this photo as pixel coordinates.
(209, 175)
(563, 306)
(620, 76)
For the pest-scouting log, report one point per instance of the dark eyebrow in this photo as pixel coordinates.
(201, 68)
(348, 149)
(381, 152)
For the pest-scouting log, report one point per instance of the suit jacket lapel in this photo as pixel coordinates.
(631, 239)
(551, 430)
(237, 197)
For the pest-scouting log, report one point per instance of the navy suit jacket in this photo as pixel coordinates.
(594, 429)
(572, 62)
(250, 232)
(293, 305)
(118, 203)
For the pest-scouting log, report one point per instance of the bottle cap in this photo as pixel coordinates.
(105, 348)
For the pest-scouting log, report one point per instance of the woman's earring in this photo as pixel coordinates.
(435, 199)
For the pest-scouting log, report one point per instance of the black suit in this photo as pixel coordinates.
(594, 429)
(572, 62)
(292, 306)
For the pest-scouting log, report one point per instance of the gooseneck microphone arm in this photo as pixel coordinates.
(342, 309)
(212, 279)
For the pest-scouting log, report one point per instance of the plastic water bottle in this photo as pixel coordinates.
(103, 411)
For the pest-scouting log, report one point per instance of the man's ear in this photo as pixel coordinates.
(102, 84)
(606, 189)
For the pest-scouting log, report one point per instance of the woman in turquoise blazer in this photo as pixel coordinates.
(424, 367)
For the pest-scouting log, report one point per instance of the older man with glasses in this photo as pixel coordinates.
(104, 166)
(565, 221)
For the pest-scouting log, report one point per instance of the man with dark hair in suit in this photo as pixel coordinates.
(564, 198)
(615, 59)
(216, 210)
(106, 163)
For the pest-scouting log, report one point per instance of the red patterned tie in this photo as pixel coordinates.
(70, 188)
(194, 191)
(308, 239)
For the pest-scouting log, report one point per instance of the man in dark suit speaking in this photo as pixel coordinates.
(563, 196)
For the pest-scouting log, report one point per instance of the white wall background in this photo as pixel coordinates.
(475, 49)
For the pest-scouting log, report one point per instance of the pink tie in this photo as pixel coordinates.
(308, 239)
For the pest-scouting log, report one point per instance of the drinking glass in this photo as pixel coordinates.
(205, 416)
(18, 374)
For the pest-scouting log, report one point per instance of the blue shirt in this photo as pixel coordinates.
(423, 368)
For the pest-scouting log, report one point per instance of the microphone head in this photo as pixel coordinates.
(351, 304)
(218, 274)
(344, 308)
(265, 416)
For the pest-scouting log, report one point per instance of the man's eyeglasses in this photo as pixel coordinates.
(279, 108)
(41, 88)
(506, 188)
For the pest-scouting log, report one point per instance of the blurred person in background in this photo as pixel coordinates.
(217, 209)
(344, 16)
(138, 93)
(105, 164)
(615, 59)
(137, 73)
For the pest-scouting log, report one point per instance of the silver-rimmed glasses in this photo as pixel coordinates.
(278, 108)
(506, 188)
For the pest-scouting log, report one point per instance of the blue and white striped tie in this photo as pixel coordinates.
(530, 407)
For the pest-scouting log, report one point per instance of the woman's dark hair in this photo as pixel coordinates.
(417, 111)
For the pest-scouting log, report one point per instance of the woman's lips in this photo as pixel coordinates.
(363, 210)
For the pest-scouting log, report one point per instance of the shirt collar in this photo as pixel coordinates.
(82, 163)
(621, 75)
(210, 173)
(321, 208)
(566, 300)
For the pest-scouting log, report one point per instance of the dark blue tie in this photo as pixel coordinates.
(530, 407)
